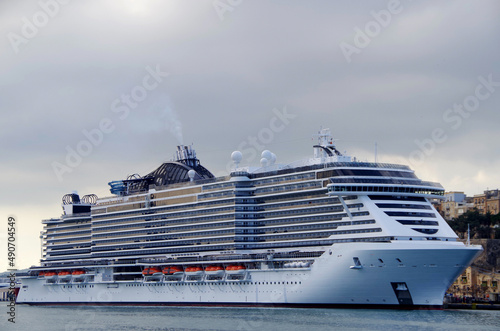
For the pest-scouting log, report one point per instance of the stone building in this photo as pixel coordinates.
(489, 201)
(454, 205)
(481, 279)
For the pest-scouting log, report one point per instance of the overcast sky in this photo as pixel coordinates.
(92, 91)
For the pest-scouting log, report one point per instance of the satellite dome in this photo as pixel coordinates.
(267, 155)
(236, 156)
(273, 158)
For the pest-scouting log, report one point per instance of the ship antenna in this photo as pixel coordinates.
(376, 160)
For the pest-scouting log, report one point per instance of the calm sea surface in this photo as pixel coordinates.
(178, 319)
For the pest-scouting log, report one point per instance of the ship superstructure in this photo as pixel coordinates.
(324, 231)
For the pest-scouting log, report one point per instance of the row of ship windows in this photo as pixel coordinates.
(62, 231)
(230, 216)
(212, 283)
(308, 202)
(418, 222)
(285, 188)
(141, 218)
(73, 241)
(403, 206)
(168, 237)
(308, 235)
(146, 245)
(264, 245)
(64, 258)
(136, 234)
(367, 173)
(399, 198)
(165, 251)
(218, 210)
(201, 226)
(325, 217)
(226, 216)
(284, 179)
(216, 195)
(218, 186)
(228, 239)
(72, 252)
(159, 229)
(389, 189)
(157, 224)
(289, 196)
(291, 228)
(290, 220)
(264, 230)
(300, 195)
(154, 230)
(211, 203)
(410, 214)
(308, 243)
(200, 212)
(165, 209)
(165, 215)
(69, 226)
(69, 233)
(301, 211)
(69, 246)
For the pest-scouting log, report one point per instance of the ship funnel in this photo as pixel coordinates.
(326, 150)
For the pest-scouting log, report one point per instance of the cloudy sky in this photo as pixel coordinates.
(92, 91)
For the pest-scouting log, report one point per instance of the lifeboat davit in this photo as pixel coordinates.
(194, 271)
(172, 270)
(214, 270)
(236, 269)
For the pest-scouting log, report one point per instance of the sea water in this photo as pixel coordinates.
(34, 318)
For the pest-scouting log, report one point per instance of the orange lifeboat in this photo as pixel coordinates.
(50, 275)
(172, 270)
(64, 275)
(151, 272)
(193, 271)
(236, 269)
(214, 270)
(41, 274)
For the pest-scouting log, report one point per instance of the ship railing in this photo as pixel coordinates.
(75, 215)
(169, 186)
(221, 258)
(417, 182)
(261, 257)
(290, 169)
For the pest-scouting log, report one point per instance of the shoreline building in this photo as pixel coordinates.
(454, 205)
(488, 201)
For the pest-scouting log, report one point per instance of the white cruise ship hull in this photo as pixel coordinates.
(401, 274)
(321, 232)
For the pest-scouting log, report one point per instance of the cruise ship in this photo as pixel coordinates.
(327, 231)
